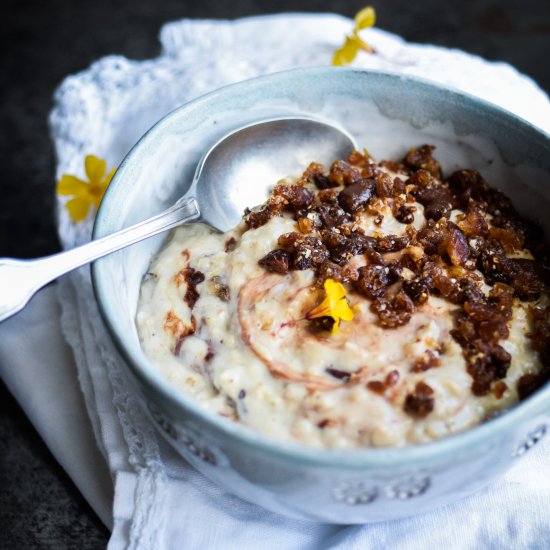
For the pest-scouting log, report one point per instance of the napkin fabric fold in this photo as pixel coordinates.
(159, 500)
(38, 368)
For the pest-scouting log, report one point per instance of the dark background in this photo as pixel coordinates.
(45, 41)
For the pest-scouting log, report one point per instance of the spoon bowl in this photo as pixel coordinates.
(243, 164)
(246, 163)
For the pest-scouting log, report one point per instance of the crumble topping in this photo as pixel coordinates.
(456, 260)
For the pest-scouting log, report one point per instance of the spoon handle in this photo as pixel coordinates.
(20, 279)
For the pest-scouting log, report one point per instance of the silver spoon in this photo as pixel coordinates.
(237, 172)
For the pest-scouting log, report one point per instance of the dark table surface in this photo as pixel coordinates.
(44, 42)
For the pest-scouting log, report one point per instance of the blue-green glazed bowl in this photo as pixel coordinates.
(387, 114)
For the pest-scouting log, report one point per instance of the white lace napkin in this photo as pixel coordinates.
(160, 501)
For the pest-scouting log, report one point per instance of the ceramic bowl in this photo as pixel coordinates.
(387, 114)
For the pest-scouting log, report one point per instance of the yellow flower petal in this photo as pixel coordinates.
(346, 54)
(71, 185)
(338, 59)
(96, 193)
(362, 44)
(109, 177)
(95, 168)
(343, 311)
(78, 208)
(334, 289)
(85, 193)
(365, 18)
(322, 310)
(97, 190)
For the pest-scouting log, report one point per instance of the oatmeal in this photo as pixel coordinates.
(368, 304)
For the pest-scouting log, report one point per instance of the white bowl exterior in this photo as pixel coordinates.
(386, 114)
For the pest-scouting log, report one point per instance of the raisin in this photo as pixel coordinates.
(392, 378)
(343, 173)
(262, 214)
(430, 238)
(486, 363)
(438, 209)
(333, 239)
(342, 249)
(529, 383)
(391, 243)
(333, 216)
(466, 185)
(230, 244)
(339, 374)
(474, 224)
(456, 245)
(437, 200)
(193, 278)
(376, 386)
(405, 214)
(373, 280)
(417, 289)
(356, 196)
(331, 270)
(297, 196)
(388, 186)
(220, 289)
(276, 261)
(528, 278)
(394, 312)
(308, 253)
(421, 158)
(421, 402)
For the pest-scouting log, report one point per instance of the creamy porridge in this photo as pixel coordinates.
(368, 304)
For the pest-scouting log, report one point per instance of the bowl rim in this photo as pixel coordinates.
(355, 459)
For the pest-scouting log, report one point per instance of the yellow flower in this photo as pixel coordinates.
(334, 305)
(85, 193)
(365, 18)
(347, 53)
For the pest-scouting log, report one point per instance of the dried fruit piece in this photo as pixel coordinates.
(421, 402)
(356, 196)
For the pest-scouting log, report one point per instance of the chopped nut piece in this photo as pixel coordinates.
(428, 360)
